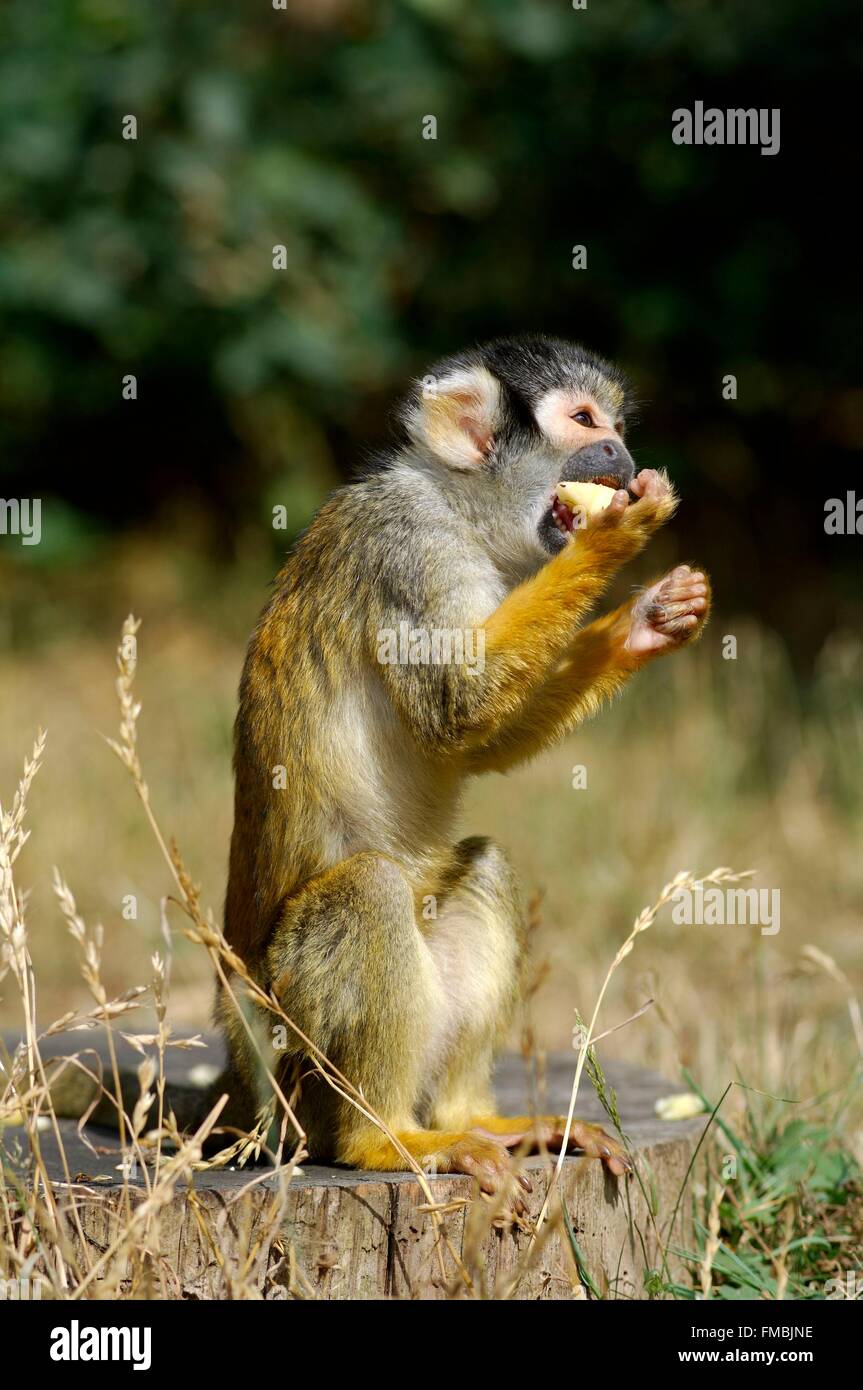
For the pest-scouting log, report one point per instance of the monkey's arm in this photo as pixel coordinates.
(600, 660)
(592, 672)
(528, 635)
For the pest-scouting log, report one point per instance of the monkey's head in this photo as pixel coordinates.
(503, 424)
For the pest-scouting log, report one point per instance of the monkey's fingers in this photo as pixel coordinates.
(681, 590)
(618, 503)
(653, 502)
(651, 484)
(664, 610)
(680, 603)
(678, 626)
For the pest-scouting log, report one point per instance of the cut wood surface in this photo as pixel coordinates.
(338, 1233)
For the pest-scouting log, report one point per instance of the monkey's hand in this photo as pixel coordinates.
(654, 502)
(668, 613)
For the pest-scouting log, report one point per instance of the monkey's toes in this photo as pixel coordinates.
(594, 1141)
(489, 1163)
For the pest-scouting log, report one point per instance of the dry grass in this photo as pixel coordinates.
(703, 760)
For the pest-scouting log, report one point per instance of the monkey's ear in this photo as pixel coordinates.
(455, 416)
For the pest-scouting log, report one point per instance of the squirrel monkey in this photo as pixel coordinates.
(429, 626)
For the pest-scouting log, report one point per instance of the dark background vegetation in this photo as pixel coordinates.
(303, 127)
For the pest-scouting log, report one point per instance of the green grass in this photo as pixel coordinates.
(790, 1220)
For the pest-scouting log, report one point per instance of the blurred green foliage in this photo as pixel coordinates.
(259, 127)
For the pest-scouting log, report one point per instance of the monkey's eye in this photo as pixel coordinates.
(583, 417)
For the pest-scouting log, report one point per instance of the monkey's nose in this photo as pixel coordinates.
(606, 460)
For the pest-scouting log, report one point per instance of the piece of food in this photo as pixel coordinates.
(680, 1107)
(588, 498)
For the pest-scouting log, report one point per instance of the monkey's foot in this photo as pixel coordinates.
(482, 1157)
(548, 1130)
(670, 612)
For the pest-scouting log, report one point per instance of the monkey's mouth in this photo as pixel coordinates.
(562, 516)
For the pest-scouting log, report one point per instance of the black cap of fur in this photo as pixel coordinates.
(532, 364)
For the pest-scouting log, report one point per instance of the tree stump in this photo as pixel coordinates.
(337, 1233)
